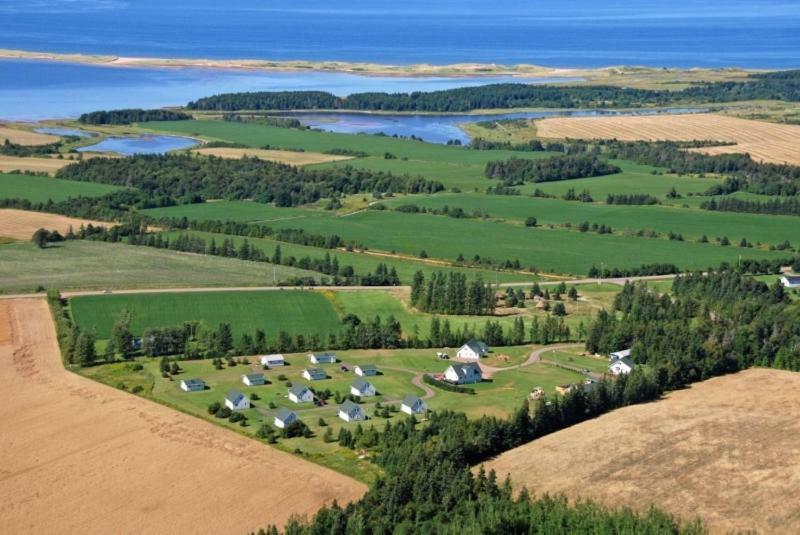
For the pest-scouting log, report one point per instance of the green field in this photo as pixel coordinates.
(691, 223)
(88, 265)
(271, 311)
(362, 263)
(42, 188)
(549, 250)
(246, 211)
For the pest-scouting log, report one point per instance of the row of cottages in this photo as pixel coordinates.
(193, 385)
(322, 358)
(300, 394)
(254, 379)
(236, 401)
(463, 374)
(472, 350)
(351, 412)
(366, 370)
(314, 374)
(273, 361)
(620, 362)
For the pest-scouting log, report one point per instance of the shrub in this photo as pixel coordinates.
(214, 408)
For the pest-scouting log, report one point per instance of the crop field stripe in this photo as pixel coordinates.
(42, 189)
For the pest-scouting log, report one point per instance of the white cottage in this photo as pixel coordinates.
(322, 358)
(362, 388)
(462, 374)
(413, 405)
(621, 366)
(351, 412)
(300, 394)
(236, 401)
(254, 379)
(285, 418)
(366, 370)
(472, 350)
(272, 361)
(193, 385)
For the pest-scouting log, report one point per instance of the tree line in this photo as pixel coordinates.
(451, 293)
(193, 178)
(515, 171)
(129, 116)
(787, 206)
(782, 86)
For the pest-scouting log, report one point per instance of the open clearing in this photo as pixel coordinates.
(36, 165)
(25, 137)
(764, 141)
(283, 156)
(42, 188)
(21, 224)
(80, 457)
(725, 449)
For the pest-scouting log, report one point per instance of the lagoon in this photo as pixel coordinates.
(148, 144)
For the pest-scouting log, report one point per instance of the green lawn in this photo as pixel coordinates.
(690, 222)
(576, 360)
(43, 188)
(252, 212)
(549, 250)
(90, 265)
(271, 311)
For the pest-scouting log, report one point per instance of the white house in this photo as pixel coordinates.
(791, 281)
(351, 412)
(272, 361)
(413, 405)
(314, 374)
(301, 394)
(362, 388)
(462, 374)
(366, 370)
(625, 353)
(236, 401)
(192, 385)
(472, 350)
(322, 358)
(254, 379)
(284, 418)
(621, 366)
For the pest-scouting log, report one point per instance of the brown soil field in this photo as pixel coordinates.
(46, 165)
(21, 224)
(769, 142)
(81, 457)
(25, 137)
(282, 156)
(726, 449)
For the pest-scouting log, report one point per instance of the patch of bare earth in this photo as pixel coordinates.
(21, 224)
(282, 156)
(769, 142)
(80, 457)
(25, 137)
(726, 449)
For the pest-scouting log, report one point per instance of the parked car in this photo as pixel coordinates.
(343, 368)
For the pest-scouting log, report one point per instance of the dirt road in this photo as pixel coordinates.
(80, 457)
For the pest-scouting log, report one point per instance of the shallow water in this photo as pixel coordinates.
(438, 128)
(58, 131)
(128, 146)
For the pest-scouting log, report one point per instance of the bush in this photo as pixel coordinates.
(236, 417)
(214, 408)
(530, 222)
(136, 389)
(223, 412)
(447, 386)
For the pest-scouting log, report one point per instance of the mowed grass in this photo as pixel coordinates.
(245, 211)
(271, 311)
(362, 262)
(42, 189)
(689, 222)
(87, 265)
(549, 250)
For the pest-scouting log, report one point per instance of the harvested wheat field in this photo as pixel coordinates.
(726, 449)
(37, 165)
(283, 156)
(21, 224)
(25, 137)
(81, 457)
(769, 142)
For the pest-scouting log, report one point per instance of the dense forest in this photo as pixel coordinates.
(451, 293)
(783, 85)
(130, 116)
(787, 206)
(515, 171)
(193, 178)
